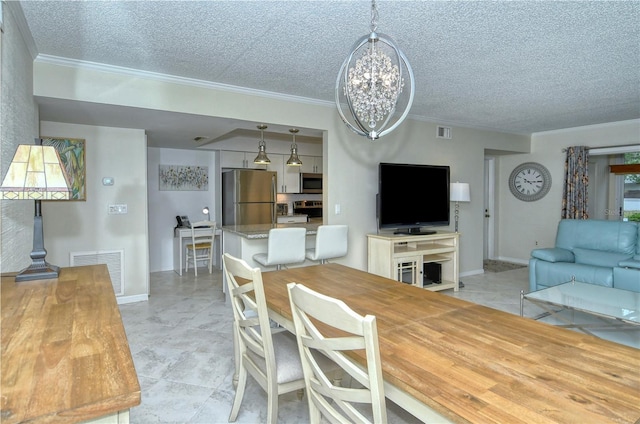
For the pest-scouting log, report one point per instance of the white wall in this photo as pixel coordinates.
(165, 205)
(523, 224)
(350, 162)
(18, 125)
(81, 226)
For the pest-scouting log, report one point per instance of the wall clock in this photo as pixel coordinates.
(530, 181)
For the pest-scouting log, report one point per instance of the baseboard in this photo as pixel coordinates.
(132, 299)
(513, 260)
(473, 272)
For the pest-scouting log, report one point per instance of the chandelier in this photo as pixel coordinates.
(372, 82)
(262, 148)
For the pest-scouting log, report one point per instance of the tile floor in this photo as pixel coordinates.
(182, 348)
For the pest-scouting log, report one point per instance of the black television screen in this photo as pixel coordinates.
(412, 196)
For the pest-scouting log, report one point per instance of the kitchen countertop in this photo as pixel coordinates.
(261, 231)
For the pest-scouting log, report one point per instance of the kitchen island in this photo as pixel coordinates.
(244, 241)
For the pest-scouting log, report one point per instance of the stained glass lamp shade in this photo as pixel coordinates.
(36, 173)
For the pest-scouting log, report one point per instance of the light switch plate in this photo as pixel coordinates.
(117, 209)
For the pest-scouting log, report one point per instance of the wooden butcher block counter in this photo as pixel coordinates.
(65, 355)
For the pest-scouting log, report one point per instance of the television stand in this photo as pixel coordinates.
(402, 257)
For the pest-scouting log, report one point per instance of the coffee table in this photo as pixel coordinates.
(614, 305)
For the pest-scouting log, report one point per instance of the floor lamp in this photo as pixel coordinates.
(459, 192)
(36, 173)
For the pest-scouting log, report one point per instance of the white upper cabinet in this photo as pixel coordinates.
(288, 176)
(311, 164)
(234, 159)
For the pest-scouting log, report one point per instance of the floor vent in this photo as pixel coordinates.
(444, 132)
(114, 260)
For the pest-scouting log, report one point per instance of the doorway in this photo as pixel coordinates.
(488, 206)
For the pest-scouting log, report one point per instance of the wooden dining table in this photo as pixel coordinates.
(446, 359)
(65, 357)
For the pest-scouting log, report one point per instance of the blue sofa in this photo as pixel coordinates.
(593, 251)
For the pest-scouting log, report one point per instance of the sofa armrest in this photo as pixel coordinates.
(630, 263)
(553, 254)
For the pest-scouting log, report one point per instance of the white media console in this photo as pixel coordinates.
(402, 257)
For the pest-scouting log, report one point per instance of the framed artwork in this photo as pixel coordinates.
(72, 155)
(184, 178)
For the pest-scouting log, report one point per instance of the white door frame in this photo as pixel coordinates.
(489, 207)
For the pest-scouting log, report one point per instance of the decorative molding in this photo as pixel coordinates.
(589, 127)
(172, 79)
(15, 10)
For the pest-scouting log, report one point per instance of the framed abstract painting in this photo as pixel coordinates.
(183, 178)
(72, 155)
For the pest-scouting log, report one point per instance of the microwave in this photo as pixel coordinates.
(310, 183)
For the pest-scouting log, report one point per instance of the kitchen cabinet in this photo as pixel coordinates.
(234, 159)
(402, 258)
(311, 164)
(292, 219)
(288, 176)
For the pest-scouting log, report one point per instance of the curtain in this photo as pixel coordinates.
(576, 180)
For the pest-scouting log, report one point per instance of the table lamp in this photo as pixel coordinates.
(36, 173)
(206, 211)
(459, 192)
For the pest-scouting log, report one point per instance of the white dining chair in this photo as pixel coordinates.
(331, 242)
(337, 404)
(270, 355)
(285, 246)
(201, 246)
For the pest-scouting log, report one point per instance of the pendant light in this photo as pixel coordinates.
(294, 160)
(262, 158)
(371, 81)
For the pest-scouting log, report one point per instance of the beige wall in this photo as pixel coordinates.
(85, 226)
(522, 224)
(18, 124)
(350, 162)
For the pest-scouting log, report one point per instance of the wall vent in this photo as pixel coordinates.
(444, 132)
(114, 260)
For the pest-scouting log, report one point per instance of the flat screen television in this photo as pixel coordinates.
(411, 197)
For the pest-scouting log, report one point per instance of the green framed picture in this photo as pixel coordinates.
(72, 155)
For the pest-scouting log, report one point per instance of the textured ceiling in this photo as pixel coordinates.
(511, 66)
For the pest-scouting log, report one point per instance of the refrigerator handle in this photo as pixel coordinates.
(273, 199)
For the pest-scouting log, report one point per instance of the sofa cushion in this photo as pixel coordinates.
(608, 236)
(598, 257)
(626, 279)
(554, 254)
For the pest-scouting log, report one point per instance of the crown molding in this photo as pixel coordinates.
(172, 79)
(14, 8)
(587, 127)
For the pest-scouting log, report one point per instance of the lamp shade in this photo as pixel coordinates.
(459, 192)
(35, 173)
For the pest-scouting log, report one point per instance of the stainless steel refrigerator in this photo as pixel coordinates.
(248, 197)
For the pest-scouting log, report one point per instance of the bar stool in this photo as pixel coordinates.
(331, 242)
(285, 246)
